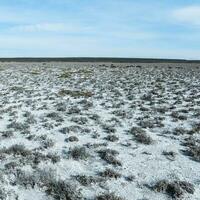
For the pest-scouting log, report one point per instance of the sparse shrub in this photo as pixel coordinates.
(112, 138)
(144, 109)
(113, 66)
(195, 128)
(94, 117)
(79, 153)
(109, 156)
(190, 141)
(95, 135)
(41, 137)
(109, 173)
(65, 75)
(61, 107)
(147, 97)
(141, 136)
(136, 130)
(25, 179)
(161, 109)
(146, 124)
(87, 180)
(44, 176)
(2, 155)
(79, 120)
(115, 121)
(108, 196)
(17, 149)
(193, 150)
(177, 115)
(11, 165)
(60, 190)
(3, 194)
(180, 131)
(48, 125)
(72, 139)
(35, 72)
(108, 151)
(64, 130)
(75, 94)
(47, 143)
(109, 129)
(174, 189)
(36, 157)
(169, 155)
(30, 137)
(29, 117)
(120, 113)
(17, 88)
(7, 134)
(75, 129)
(95, 145)
(30, 120)
(130, 178)
(53, 157)
(18, 126)
(55, 116)
(86, 104)
(73, 110)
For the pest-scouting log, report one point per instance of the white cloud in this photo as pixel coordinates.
(50, 27)
(41, 27)
(79, 29)
(189, 15)
(132, 35)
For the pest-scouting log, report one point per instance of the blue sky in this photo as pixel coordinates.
(102, 28)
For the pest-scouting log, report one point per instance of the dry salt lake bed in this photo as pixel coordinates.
(94, 131)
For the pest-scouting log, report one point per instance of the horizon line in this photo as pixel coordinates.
(94, 59)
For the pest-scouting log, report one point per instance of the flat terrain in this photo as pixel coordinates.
(99, 131)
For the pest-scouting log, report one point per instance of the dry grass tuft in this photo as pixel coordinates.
(75, 93)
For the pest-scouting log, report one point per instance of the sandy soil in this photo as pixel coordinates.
(99, 131)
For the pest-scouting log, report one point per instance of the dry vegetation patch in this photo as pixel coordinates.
(75, 93)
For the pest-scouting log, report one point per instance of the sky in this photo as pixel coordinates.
(100, 28)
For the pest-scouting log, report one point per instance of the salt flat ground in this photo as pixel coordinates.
(97, 131)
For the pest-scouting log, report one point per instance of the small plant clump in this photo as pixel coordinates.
(45, 179)
(87, 180)
(175, 189)
(193, 150)
(169, 155)
(74, 93)
(141, 136)
(79, 153)
(108, 196)
(72, 139)
(108, 155)
(60, 190)
(109, 173)
(112, 138)
(16, 150)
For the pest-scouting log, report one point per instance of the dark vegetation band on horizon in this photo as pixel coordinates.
(97, 59)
